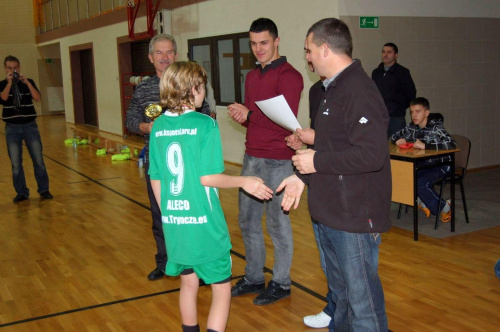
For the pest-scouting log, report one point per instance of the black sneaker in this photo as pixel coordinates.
(274, 292)
(243, 286)
(46, 195)
(156, 274)
(20, 198)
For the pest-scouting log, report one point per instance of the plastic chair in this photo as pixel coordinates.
(461, 162)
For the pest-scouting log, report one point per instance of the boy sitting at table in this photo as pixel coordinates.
(428, 133)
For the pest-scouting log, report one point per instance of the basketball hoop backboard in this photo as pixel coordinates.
(132, 11)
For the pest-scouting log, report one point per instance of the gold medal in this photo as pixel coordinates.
(153, 111)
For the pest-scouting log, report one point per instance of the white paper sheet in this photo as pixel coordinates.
(278, 110)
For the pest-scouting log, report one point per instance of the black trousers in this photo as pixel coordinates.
(161, 250)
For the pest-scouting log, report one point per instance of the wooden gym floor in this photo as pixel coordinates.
(79, 262)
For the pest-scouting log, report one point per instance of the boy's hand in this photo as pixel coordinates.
(293, 190)
(400, 141)
(293, 142)
(255, 186)
(419, 145)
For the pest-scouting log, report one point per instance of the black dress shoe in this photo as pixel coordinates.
(46, 195)
(243, 286)
(156, 274)
(274, 292)
(20, 198)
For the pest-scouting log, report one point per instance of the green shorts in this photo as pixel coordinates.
(211, 272)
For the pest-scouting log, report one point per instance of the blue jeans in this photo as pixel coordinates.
(352, 264)
(425, 187)
(15, 134)
(330, 306)
(278, 225)
(395, 125)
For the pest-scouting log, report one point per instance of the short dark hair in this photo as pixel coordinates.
(420, 101)
(394, 47)
(333, 32)
(11, 58)
(264, 24)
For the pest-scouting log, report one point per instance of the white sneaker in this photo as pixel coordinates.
(318, 321)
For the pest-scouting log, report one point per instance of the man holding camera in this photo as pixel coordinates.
(17, 93)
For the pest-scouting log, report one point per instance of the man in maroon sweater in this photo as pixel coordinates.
(268, 157)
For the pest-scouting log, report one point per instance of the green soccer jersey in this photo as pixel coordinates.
(182, 149)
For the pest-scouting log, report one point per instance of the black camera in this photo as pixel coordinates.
(15, 75)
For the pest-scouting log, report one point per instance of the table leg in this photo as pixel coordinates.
(415, 208)
(452, 189)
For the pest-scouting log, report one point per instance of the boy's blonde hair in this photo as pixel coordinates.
(176, 85)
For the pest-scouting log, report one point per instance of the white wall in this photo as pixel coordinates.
(219, 17)
(210, 18)
(106, 72)
(433, 8)
(106, 55)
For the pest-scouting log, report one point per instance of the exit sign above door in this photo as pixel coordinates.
(369, 22)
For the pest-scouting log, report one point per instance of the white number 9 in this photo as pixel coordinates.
(176, 168)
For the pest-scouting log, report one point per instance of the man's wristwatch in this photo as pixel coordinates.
(248, 114)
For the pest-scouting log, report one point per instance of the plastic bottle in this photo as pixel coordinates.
(142, 156)
(74, 140)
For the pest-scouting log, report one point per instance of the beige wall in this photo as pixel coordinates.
(220, 17)
(198, 20)
(50, 84)
(430, 8)
(455, 63)
(18, 38)
(106, 70)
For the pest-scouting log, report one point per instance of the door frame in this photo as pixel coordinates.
(76, 80)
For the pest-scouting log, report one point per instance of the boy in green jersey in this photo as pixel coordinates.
(185, 168)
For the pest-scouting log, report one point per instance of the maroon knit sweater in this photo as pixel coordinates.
(264, 138)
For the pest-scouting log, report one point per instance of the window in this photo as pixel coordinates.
(227, 59)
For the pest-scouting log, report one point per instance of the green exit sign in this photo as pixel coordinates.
(49, 60)
(369, 22)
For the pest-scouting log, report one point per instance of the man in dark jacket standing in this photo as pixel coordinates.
(396, 86)
(349, 178)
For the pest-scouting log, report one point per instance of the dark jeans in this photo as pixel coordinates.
(352, 271)
(395, 125)
(161, 250)
(425, 187)
(15, 135)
